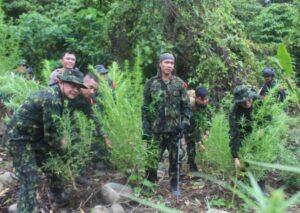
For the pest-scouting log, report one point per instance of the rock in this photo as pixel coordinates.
(123, 191)
(6, 177)
(116, 208)
(99, 209)
(108, 195)
(12, 208)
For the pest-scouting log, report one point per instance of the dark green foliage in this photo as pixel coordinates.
(272, 25)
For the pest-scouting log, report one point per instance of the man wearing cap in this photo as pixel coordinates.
(270, 82)
(199, 124)
(84, 103)
(68, 61)
(240, 119)
(165, 112)
(34, 132)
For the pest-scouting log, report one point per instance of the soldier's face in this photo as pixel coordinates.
(166, 66)
(247, 104)
(268, 79)
(92, 87)
(69, 90)
(68, 61)
(201, 101)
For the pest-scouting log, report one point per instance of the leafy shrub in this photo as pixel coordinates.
(121, 116)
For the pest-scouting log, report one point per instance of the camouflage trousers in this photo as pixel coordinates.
(155, 150)
(26, 162)
(191, 150)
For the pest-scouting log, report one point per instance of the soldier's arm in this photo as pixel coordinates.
(235, 135)
(52, 131)
(186, 109)
(145, 110)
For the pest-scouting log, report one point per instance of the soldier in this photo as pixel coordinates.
(166, 109)
(242, 110)
(33, 133)
(84, 103)
(269, 75)
(21, 67)
(68, 60)
(199, 124)
(104, 75)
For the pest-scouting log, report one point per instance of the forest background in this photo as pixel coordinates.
(217, 43)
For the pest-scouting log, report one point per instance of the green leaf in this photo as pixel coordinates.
(285, 60)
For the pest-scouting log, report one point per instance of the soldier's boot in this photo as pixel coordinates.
(58, 198)
(83, 179)
(175, 189)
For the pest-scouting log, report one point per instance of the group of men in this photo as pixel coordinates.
(167, 116)
(34, 130)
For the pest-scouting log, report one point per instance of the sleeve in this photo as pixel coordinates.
(145, 110)
(98, 132)
(194, 131)
(51, 120)
(235, 135)
(186, 109)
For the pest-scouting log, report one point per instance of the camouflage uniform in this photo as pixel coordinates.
(238, 130)
(266, 87)
(31, 135)
(85, 106)
(199, 124)
(165, 105)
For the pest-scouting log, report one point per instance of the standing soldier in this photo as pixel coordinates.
(199, 124)
(68, 61)
(166, 109)
(270, 82)
(34, 132)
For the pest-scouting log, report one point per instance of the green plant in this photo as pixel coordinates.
(121, 116)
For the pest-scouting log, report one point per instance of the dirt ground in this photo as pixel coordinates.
(197, 194)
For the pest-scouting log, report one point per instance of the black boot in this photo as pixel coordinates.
(175, 188)
(58, 198)
(193, 167)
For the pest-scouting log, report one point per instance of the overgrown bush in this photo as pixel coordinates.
(121, 116)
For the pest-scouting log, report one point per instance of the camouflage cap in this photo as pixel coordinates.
(243, 93)
(101, 69)
(73, 76)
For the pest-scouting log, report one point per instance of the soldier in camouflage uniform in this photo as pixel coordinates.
(199, 124)
(270, 82)
(84, 103)
(241, 111)
(166, 109)
(33, 133)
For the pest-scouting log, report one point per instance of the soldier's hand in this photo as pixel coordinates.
(237, 163)
(108, 142)
(63, 143)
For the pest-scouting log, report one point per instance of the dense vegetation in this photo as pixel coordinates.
(217, 43)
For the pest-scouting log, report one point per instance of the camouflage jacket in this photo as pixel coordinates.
(85, 106)
(37, 120)
(165, 104)
(266, 87)
(201, 121)
(240, 125)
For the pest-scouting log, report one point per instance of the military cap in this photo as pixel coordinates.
(101, 69)
(166, 56)
(268, 72)
(201, 92)
(73, 76)
(243, 93)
